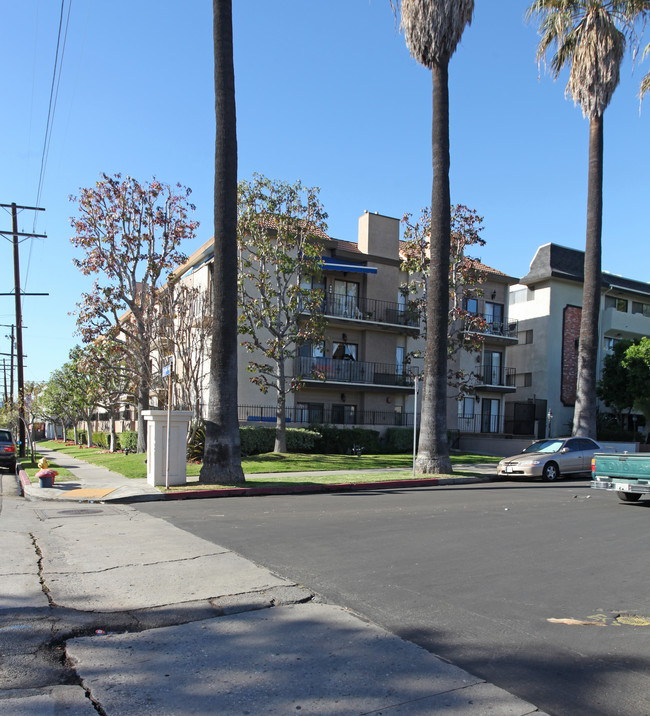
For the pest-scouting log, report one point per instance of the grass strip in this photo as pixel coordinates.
(134, 466)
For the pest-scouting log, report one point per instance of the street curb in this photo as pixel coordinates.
(23, 479)
(314, 489)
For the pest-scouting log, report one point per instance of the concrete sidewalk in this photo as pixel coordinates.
(104, 608)
(96, 484)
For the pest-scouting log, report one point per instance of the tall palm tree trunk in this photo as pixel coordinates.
(433, 453)
(584, 419)
(222, 452)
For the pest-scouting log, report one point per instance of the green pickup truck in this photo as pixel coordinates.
(626, 474)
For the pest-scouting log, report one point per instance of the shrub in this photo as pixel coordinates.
(81, 436)
(101, 440)
(398, 440)
(128, 440)
(342, 440)
(302, 440)
(256, 440)
(196, 445)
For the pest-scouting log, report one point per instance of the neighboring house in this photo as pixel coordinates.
(547, 305)
(363, 374)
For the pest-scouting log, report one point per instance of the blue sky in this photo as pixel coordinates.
(326, 93)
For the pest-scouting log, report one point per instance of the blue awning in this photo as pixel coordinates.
(332, 264)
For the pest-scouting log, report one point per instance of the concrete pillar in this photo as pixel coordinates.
(156, 421)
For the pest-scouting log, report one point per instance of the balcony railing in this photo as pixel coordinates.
(496, 375)
(370, 309)
(486, 325)
(479, 423)
(351, 371)
(319, 415)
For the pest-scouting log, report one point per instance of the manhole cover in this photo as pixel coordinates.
(76, 512)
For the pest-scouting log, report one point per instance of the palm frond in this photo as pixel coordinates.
(433, 28)
(589, 37)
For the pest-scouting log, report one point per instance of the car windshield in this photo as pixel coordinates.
(5, 436)
(545, 446)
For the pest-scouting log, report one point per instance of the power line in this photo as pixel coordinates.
(54, 93)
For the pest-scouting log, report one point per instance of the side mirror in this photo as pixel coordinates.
(563, 450)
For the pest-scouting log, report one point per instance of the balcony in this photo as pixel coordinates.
(388, 314)
(319, 414)
(501, 331)
(479, 423)
(495, 378)
(330, 371)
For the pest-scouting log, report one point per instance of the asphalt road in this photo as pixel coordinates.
(472, 573)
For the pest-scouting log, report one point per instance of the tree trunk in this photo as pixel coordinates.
(112, 438)
(584, 418)
(89, 431)
(280, 412)
(433, 452)
(143, 404)
(222, 452)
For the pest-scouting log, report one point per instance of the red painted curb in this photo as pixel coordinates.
(23, 479)
(300, 489)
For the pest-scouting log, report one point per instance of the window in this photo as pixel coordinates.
(344, 351)
(525, 337)
(620, 304)
(344, 414)
(524, 380)
(494, 312)
(311, 350)
(471, 306)
(399, 360)
(521, 295)
(466, 414)
(489, 415)
(492, 368)
(643, 308)
(610, 343)
(346, 298)
(309, 412)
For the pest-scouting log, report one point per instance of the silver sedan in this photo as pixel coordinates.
(551, 458)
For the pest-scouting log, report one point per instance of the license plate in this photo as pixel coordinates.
(508, 468)
(622, 487)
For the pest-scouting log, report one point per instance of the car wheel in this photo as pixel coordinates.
(551, 472)
(629, 496)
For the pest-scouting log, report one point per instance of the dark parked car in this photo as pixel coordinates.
(7, 449)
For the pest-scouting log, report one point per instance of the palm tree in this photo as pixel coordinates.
(590, 38)
(432, 30)
(645, 82)
(222, 452)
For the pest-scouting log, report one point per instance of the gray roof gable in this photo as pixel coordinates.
(561, 262)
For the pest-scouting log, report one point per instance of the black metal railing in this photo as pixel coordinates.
(496, 375)
(369, 309)
(351, 371)
(314, 414)
(479, 423)
(486, 325)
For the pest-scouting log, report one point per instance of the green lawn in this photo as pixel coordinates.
(133, 466)
(31, 468)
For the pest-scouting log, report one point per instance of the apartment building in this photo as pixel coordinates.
(547, 302)
(364, 372)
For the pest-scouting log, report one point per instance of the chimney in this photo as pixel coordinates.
(379, 235)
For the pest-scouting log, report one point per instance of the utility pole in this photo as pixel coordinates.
(19, 318)
(10, 396)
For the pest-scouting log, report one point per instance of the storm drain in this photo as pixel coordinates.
(77, 512)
